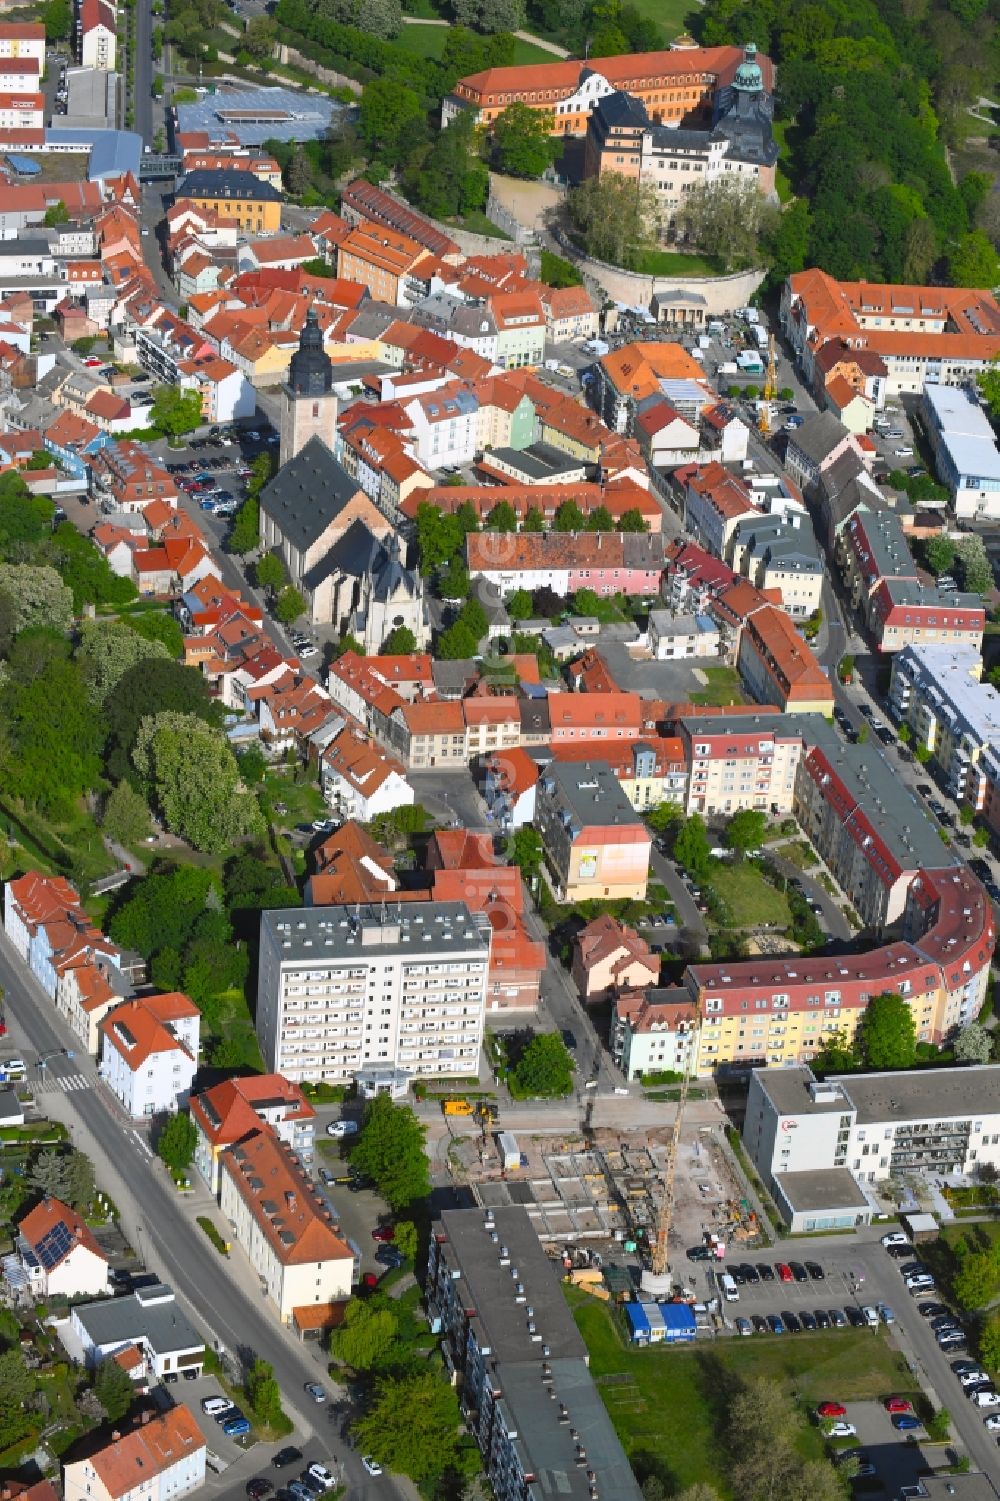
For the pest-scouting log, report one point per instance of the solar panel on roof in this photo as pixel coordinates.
(54, 1245)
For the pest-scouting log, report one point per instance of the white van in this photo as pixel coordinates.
(728, 1288)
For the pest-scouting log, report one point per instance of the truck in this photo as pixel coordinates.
(760, 334)
(510, 1152)
(457, 1107)
(749, 363)
(729, 368)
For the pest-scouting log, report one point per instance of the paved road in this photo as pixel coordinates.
(156, 1225)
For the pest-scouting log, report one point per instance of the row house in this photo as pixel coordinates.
(386, 261)
(359, 780)
(715, 501)
(630, 563)
(941, 335)
(149, 1053)
(777, 666)
(236, 1109)
(624, 498)
(740, 761)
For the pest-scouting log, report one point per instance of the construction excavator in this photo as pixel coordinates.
(656, 1279)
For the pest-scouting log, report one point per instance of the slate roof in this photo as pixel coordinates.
(307, 494)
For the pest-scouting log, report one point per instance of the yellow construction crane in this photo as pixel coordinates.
(659, 1252)
(770, 391)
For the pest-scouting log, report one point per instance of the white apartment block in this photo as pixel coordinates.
(394, 991)
(944, 1124)
(936, 690)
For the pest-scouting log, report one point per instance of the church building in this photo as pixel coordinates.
(339, 549)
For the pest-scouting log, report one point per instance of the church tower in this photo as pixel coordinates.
(308, 402)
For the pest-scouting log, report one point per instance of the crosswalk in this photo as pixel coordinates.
(51, 1083)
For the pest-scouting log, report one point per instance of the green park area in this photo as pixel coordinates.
(721, 689)
(428, 39)
(669, 1406)
(749, 899)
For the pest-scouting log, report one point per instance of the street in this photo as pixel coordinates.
(221, 1296)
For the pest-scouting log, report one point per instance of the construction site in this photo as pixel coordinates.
(598, 1196)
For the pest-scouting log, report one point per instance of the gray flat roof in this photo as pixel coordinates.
(321, 934)
(788, 1091)
(931, 1094)
(957, 411)
(824, 1189)
(256, 115)
(550, 1443)
(944, 676)
(974, 1487)
(151, 1312)
(493, 1287)
(591, 791)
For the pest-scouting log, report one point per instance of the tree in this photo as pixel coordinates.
(108, 649)
(692, 846)
(390, 116)
(887, 1033)
(545, 1068)
(569, 518)
(525, 850)
(298, 172)
(727, 218)
(367, 1336)
(407, 1240)
(39, 597)
(534, 521)
(988, 382)
(989, 1343)
(973, 1044)
(270, 573)
(412, 1425)
(55, 215)
(502, 518)
(556, 271)
(81, 1186)
(939, 1425)
(973, 561)
(175, 412)
(51, 734)
(523, 145)
(939, 554)
(745, 831)
(177, 1141)
(245, 534)
(400, 642)
(439, 535)
(519, 606)
(974, 262)
(489, 15)
(390, 1150)
(615, 218)
(289, 605)
(381, 18)
(600, 520)
(260, 37)
(632, 520)
(449, 178)
(664, 816)
(17, 1383)
(49, 1174)
(264, 1393)
(196, 782)
(150, 688)
(975, 1282)
(57, 18)
(113, 1388)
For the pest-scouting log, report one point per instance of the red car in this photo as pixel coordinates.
(831, 1410)
(898, 1404)
(784, 1272)
(384, 1232)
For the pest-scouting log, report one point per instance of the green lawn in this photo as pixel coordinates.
(670, 1404)
(676, 263)
(751, 901)
(721, 690)
(429, 40)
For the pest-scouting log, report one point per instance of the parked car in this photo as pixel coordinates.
(841, 1429)
(384, 1232)
(784, 1272)
(905, 1422)
(744, 1327)
(259, 1487)
(766, 1271)
(838, 1318)
(898, 1404)
(986, 1397)
(815, 1271)
(760, 1325)
(775, 1323)
(341, 1128)
(808, 1319)
(287, 1456)
(792, 1323)
(798, 1271)
(831, 1410)
(213, 1406)
(323, 1475)
(388, 1256)
(237, 1426)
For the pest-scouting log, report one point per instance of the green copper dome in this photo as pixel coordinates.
(748, 77)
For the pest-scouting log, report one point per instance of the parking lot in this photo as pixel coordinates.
(839, 1295)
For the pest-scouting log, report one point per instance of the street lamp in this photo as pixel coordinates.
(43, 1058)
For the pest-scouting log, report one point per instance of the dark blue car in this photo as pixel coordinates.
(904, 1421)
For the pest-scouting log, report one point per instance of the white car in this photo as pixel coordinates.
(906, 452)
(993, 1422)
(840, 1429)
(988, 1398)
(972, 1378)
(213, 1406)
(322, 1474)
(340, 1129)
(921, 1282)
(14, 1068)
(371, 1465)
